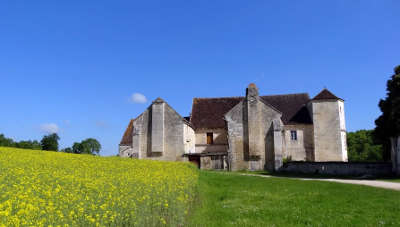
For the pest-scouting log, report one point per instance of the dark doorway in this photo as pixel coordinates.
(195, 160)
(210, 138)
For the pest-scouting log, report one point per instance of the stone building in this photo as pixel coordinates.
(158, 133)
(252, 132)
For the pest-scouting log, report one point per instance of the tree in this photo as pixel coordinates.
(28, 144)
(88, 146)
(361, 146)
(76, 148)
(6, 142)
(91, 146)
(25, 144)
(67, 150)
(388, 124)
(50, 142)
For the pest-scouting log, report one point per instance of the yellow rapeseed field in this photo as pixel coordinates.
(44, 188)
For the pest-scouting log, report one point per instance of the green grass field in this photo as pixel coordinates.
(228, 199)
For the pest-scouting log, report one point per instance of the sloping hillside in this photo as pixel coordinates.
(42, 188)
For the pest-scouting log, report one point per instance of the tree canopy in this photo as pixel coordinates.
(50, 142)
(361, 146)
(388, 124)
(26, 144)
(6, 142)
(88, 146)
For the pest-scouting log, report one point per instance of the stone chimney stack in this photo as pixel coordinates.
(253, 121)
(157, 125)
(251, 92)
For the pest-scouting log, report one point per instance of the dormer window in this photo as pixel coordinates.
(293, 135)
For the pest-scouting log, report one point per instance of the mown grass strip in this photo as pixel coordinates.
(227, 199)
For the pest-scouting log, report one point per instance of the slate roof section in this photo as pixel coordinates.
(127, 137)
(209, 112)
(292, 106)
(326, 95)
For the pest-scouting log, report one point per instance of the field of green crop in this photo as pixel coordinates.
(43, 188)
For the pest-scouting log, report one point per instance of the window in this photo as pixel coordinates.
(210, 138)
(293, 135)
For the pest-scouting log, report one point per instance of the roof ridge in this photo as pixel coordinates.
(226, 97)
(300, 93)
(236, 97)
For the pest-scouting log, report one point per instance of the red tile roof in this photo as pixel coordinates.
(127, 137)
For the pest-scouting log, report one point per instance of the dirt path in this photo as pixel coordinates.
(372, 183)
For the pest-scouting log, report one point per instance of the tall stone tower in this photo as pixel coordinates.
(328, 117)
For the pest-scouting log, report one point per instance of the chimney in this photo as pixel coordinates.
(252, 93)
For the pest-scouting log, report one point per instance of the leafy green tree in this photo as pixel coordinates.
(92, 146)
(388, 124)
(361, 146)
(76, 148)
(28, 144)
(67, 150)
(6, 142)
(88, 146)
(50, 142)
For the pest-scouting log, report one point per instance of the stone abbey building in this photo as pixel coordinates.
(241, 133)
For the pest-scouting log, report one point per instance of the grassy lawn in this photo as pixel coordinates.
(228, 199)
(317, 176)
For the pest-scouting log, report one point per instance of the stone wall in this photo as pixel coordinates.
(160, 133)
(205, 163)
(189, 139)
(249, 123)
(339, 168)
(158, 126)
(125, 151)
(301, 149)
(220, 140)
(211, 148)
(213, 162)
(219, 134)
(329, 130)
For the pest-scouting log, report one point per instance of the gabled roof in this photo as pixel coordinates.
(326, 95)
(127, 137)
(128, 134)
(209, 112)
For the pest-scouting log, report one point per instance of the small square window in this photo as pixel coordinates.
(293, 135)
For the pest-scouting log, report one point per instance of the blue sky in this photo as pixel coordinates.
(73, 66)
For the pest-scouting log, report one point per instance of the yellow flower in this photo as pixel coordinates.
(44, 188)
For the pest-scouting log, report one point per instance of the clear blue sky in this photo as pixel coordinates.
(72, 66)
